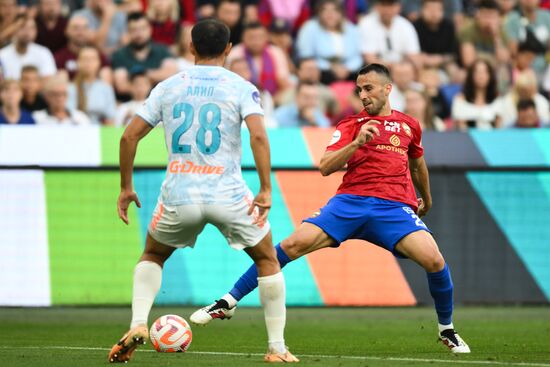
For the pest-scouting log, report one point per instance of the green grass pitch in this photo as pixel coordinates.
(503, 336)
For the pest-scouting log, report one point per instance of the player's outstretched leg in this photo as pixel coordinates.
(147, 281)
(421, 247)
(307, 238)
(224, 308)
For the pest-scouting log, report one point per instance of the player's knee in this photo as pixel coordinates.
(292, 247)
(434, 263)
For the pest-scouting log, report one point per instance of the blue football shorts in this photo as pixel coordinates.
(379, 221)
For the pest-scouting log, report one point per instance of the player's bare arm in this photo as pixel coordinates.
(260, 149)
(421, 180)
(336, 160)
(135, 131)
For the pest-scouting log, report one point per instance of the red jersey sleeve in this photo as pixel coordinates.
(342, 136)
(415, 147)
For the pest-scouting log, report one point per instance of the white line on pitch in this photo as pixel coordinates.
(236, 354)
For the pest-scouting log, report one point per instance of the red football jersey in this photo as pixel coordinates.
(380, 168)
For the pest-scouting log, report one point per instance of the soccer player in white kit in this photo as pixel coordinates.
(202, 109)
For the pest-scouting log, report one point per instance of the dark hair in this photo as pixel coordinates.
(302, 84)
(524, 104)
(210, 37)
(228, 1)
(424, 2)
(304, 59)
(252, 25)
(376, 68)
(470, 88)
(321, 3)
(135, 16)
(387, 2)
(28, 68)
(488, 4)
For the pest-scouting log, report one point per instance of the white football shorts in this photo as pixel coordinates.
(180, 225)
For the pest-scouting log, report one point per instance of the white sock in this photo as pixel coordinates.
(272, 298)
(445, 327)
(147, 280)
(231, 301)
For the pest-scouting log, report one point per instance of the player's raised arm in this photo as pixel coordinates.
(333, 161)
(135, 131)
(262, 157)
(421, 181)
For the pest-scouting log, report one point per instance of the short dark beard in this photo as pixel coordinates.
(139, 47)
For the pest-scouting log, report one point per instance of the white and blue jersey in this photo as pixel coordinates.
(202, 109)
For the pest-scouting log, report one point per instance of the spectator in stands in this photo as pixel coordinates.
(141, 86)
(530, 24)
(524, 88)
(267, 63)
(141, 54)
(353, 9)
(9, 21)
(90, 94)
(23, 51)
(484, 36)
(525, 56)
(404, 75)
(205, 8)
(333, 41)
(31, 85)
(506, 7)
(55, 92)
(107, 23)
(386, 37)
(230, 13)
(128, 6)
(10, 111)
(436, 35)
(431, 80)
(419, 106)
(308, 72)
(78, 36)
(240, 67)
(280, 36)
(453, 11)
(295, 12)
(51, 25)
(305, 111)
(527, 116)
(185, 57)
(477, 105)
(164, 17)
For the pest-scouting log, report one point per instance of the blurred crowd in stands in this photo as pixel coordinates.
(456, 64)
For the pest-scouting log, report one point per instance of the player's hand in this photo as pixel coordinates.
(423, 207)
(367, 132)
(262, 201)
(124, 200)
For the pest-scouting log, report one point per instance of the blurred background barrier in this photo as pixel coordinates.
(294, 148)
(62, 243)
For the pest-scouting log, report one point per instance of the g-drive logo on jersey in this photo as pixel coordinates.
(189, 167)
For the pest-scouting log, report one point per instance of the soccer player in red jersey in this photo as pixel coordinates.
(376, 201)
